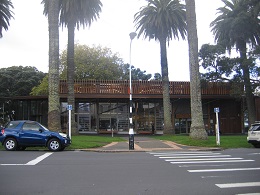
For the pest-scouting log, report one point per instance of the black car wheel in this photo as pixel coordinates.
(256, 145)
(54, 145)
(10, 144)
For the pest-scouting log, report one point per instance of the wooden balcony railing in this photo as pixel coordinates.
(142, 87)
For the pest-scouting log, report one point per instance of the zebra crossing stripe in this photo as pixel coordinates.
(201, 159)
(220, 170)
(213, 161)
(236, 185)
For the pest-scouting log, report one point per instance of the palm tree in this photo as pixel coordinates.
(52, 10)
(162, 20)
(5, 15)
(197, 130)
(76, 13)
(238, 25)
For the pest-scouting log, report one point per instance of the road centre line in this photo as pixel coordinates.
(220, 170)
(32, 162)
(236, 185)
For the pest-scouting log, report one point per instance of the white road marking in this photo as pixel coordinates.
(32, 162)
(249, 194)
(184, 154)
(220, 170)
(201, 159)
(39, 159)
(169, 156)
(236, 185)
(214, 161)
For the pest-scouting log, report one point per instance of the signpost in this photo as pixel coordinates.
(216, 110)
(69, 108)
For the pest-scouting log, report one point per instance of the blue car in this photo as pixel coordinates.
(17, 135)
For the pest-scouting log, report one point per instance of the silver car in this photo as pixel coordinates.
(254, 134)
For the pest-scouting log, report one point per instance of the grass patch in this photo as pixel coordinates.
(226, 141)
(92, 141)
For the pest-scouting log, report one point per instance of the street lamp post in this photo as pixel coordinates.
(131, 130)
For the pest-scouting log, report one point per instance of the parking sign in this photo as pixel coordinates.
(216, 110)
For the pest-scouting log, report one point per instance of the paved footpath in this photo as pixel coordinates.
(146, 144)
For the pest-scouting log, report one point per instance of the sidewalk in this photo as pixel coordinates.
(147, 144)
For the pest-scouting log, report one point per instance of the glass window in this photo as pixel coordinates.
(31, 126)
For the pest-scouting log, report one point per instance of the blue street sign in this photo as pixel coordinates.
(216, 109)
(69, 107)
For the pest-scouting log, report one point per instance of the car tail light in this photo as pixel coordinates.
(3, 131)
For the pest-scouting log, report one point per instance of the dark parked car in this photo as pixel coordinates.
(17, 135)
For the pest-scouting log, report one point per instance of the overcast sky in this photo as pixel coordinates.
(26, 41)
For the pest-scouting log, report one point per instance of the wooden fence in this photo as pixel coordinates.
(142, 87)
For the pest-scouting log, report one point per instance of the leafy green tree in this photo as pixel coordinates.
(93, 63)
(157, 77)
(162, 20)
(136, 74)
(42, 88)
(19, 80)
(238, 24)
(218, 67)
(6, 14)
(197, 129)
(51, 9)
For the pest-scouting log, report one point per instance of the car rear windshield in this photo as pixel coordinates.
(255, 127)
(12, 124)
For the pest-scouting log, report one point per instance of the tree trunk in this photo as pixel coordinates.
(70, 75)
(250, 101)
(168, 129)
(54, 120)
(197, 130)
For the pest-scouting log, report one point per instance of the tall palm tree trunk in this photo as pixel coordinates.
(168, 128)
(70, 75)
(197, 130)
(54, 121)
(250, 102)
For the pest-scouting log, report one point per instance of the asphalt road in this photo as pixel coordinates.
(155, 173)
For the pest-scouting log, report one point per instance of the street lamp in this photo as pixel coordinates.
(131, 130)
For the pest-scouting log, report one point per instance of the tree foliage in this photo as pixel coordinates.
(6, 14)
(136, 74)
(238, 25)
(19, 80)
(100, 63)
(218, 67)
(42, 88)
(93, 63)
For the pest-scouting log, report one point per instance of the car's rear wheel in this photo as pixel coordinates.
(54, 145)
(10, 144)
